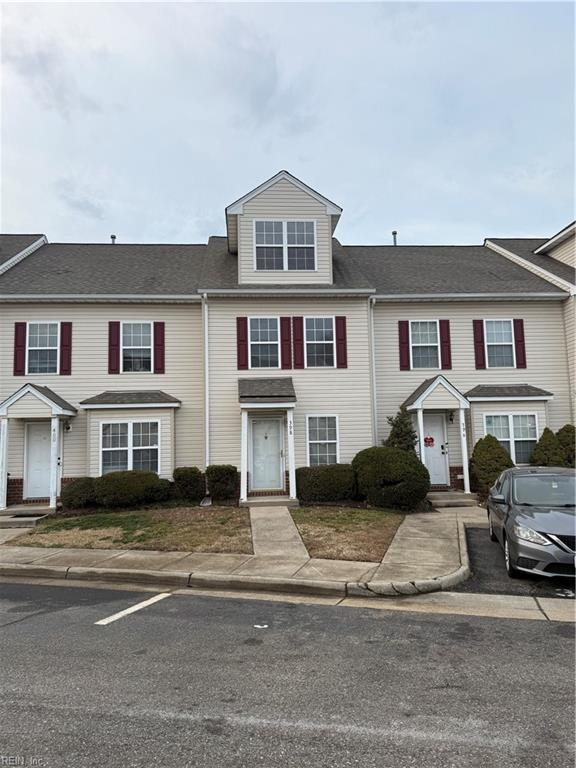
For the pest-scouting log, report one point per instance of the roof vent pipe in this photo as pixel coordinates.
(113, 238)
(394, 233)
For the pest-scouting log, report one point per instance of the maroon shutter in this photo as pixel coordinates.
(65, 349)
(479, 355)
(242, 343)
(19, 349)
(286, 342)
(159, 347)
(113, 346)
(341, 345)
(298, 340)
(519, 344)
(445, 348)
(404, 344)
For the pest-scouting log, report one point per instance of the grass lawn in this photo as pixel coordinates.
(342, 533)
(187, 529)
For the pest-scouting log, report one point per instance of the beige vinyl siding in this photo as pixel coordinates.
(545, 352)
(29, 407)
(565, 252)
(569, 312)
(329, 391)
(183, 378)
(16, 428)
(163, 416)
(479, 410)
(441, 398)
(284, 201)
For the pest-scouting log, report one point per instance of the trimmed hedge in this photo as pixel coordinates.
(489, 459)
(223, 481)
(190, 484)
(329, 482)
(567, 439)
(391, 477)
(547, 451)
(78, 493)
(127, 489)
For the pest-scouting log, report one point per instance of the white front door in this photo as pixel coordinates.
(435, 448)
(37, 478)
(266, 454)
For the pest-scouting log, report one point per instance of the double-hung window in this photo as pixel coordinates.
(499, 335)
(319, 342)
(136, 347)
(130, 445)
(285, 245)
(42, 347)
(517, 433)
(264, 342)
(424, 344)
(322, 440)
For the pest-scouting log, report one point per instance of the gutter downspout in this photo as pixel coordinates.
(205, 318)
(371, 304)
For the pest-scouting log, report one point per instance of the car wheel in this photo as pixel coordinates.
(493, 536)
(510, 570)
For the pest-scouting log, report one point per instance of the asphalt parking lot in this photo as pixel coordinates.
(489, 574)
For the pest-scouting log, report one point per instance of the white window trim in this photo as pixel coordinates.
(437, 322)
(322, 416)
(269, 367)
(44, 322)
(320, 367)
(137, 322)
(487, 344)
(285, 245)
(512, 437)
(130, 446)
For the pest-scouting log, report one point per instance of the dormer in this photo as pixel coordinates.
(282, 233)
(562, 246)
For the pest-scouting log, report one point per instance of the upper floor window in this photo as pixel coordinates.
(136, 347)
(424, 344)
(517, 433)
(320, 342)
(130, 445)
(285, 245)
(499, 336)
(42, 347)
(264, 342)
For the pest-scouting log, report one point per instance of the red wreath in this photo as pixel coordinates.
(429, 441)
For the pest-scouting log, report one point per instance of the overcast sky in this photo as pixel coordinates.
(446, 121)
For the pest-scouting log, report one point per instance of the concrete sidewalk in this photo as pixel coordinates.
(427, 554)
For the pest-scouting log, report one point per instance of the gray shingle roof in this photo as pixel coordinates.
(525, 248)
(418, 391)
(136, 397)
(54, 397)
(278, 390)
(507, 390)
(11, 245)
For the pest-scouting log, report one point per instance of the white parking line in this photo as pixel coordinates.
(133, 609)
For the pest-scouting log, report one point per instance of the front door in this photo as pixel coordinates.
(37, 479)
(266, 455)
(435, 448)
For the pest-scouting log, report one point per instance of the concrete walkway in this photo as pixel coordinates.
(274, 533)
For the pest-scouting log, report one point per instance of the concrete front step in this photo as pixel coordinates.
(463, 501)
(20, 521)
(270, 501)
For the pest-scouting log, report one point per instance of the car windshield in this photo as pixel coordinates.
(545, 490)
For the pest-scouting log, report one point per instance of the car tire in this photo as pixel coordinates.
(493, 536)
(510, 570)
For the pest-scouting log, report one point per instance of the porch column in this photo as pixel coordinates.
(420, 414)
(3, 463)
(54, 459)
(464, 449)
(244, 456)
(291, 460)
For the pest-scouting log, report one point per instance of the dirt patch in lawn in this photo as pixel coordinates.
(182, 529)
(341, 533)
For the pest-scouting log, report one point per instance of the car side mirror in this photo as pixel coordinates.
(497, 498)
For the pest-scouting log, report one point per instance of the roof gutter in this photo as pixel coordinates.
(557, 296)
(205, 319)
(104, 297)
(287, 291)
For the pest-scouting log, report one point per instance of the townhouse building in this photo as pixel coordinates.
(274, 347)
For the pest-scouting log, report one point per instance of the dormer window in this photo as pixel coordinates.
(285, 245)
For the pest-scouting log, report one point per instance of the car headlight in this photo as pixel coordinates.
(527, 534)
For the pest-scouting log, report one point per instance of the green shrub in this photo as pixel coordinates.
(190, 483)
(223, 481)
(547, 451)
(391, 477)
(402, 434)
(78, 493)
(489, 459)
(329, 482)
(567, 440)
(128, 489)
